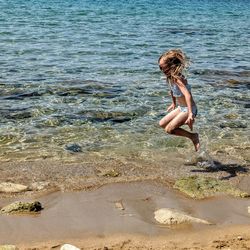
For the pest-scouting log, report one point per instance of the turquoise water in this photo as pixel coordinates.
(82, 76)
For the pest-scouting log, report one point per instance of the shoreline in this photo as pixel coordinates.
(91, 218)
(234, 238)
(89, 173)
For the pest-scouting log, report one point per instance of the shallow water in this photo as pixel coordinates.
(81, 78)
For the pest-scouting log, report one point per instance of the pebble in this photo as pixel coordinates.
(74, 148)
(111, 173)
(119, 205)
(68, 247)
(9, 187)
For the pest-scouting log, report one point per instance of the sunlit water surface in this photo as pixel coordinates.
(81, 77)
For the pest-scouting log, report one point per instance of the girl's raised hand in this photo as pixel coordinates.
(190, 121)
(171, 107)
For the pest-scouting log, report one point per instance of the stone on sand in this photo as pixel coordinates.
(68, 247)
(119, 205)
(172, 217)
(7, 247)
(22, 207)
(111, 173)
(9, 187)
(200, 187)
(40, 185)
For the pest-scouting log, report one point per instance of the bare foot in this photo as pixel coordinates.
(196, 142)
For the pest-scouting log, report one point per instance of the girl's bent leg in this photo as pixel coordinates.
(169, 117)
(194, 137)
(173, 127)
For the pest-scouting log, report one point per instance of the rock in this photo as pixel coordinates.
(8, 247)
(119, 205)
(233, 81)
(231, 116)
(113, 116)
(172, 217)
(8, 187)
(20, 115)
(52, 122)
(39, 185)
(200, 187)
(111, 173)
(75, 148)
(248, 209)
(22, 207)
(68, 247)
(233, 124)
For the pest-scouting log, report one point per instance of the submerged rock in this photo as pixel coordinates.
(9, 187)
(233, 81)
(75, 148)
(22, 207)
(113, 116)
(231, 116)
(233, 124)
(248, 209)
(200, 187)
(19, 115)
(68, 247)
(172, 217)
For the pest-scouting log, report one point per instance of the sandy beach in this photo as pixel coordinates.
(233, 238)
(92, 220)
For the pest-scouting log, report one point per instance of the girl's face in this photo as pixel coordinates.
(161, 64)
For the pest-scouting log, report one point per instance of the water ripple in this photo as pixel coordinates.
(85, 73)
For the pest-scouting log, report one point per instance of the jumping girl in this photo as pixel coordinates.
(172, 64)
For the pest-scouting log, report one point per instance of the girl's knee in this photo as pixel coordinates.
(162, 123)
(169, 129)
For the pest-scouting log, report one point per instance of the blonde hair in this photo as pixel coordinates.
(173, 62)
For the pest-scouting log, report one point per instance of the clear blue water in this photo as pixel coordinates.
(83, 76)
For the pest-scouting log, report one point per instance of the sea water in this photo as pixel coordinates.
(81, 77)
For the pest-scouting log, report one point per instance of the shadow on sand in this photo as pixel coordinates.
(231, 169)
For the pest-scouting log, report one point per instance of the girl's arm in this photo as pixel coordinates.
(173, 97)
(173, 105)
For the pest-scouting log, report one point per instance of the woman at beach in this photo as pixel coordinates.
(172, 63)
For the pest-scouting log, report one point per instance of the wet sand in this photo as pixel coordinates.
(89, 172)
(91, 219)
